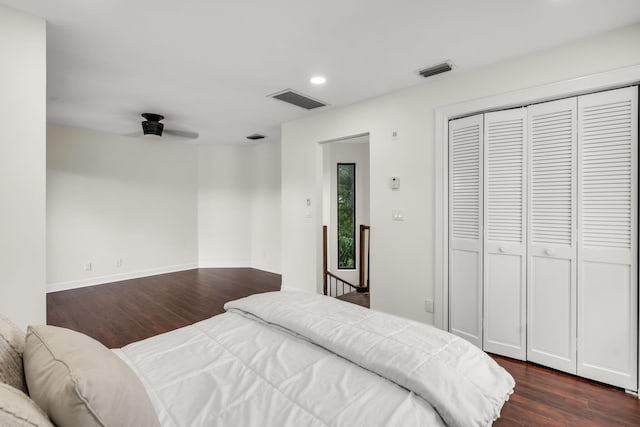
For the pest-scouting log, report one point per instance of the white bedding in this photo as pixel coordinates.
(256, 366)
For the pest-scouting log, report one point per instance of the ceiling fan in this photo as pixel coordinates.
(152, 126)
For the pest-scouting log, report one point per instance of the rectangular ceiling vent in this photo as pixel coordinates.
(256, 136)
(298, 99)
(436, 69)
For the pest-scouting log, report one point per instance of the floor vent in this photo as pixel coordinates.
(436, 69)
(298, 99)
(256, 136)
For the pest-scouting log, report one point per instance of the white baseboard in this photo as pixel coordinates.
(91, 281)
(224, 265)
(266, 267)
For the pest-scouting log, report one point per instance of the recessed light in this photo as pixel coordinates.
(318, 80)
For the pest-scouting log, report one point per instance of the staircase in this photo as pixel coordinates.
(337, 287)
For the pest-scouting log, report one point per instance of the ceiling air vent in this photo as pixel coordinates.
(256, 136)
(298, 99)
(436, 69)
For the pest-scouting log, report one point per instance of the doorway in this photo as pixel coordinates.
(345, 202)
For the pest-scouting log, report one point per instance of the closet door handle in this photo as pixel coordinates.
(549, 252)
(502, 249)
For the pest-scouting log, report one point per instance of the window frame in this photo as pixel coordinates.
(340, 267)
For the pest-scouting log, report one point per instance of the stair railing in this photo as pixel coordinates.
(365, 243)
(335, 286)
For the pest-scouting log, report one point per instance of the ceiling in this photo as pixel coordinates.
(208, 66)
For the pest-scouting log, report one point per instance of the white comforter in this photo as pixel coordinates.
(280, 359)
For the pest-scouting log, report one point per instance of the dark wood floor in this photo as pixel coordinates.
(119, 313)
(360, 298)
(544, 397)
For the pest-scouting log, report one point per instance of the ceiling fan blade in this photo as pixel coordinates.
(181, 133)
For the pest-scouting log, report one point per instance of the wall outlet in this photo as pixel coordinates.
(119, 262)
(395, 183)
(88, 267)
(428, 306)
(397, 215)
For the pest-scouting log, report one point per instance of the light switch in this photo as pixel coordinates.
(307, 211)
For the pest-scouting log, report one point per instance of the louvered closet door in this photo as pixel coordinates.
(465, 228)
(551, 284)
(505, 234)
(607, 275)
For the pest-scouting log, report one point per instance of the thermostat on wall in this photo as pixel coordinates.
(395, 183)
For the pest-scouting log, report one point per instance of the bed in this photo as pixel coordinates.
(295, 359)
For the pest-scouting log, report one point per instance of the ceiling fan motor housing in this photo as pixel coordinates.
(152, 125)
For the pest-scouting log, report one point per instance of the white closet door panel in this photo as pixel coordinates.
(465, 293)
(504, 297)
(551, 319)
(465, 228)
(607, 274)
(504, 237)
(605, 330)
(552, 221)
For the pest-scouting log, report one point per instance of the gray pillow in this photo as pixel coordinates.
(17, 410)
(79, 382)
(11, 348)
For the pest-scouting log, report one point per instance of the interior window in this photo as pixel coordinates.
(346, 215)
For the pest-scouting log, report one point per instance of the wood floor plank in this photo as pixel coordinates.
(544, 397)
(360, 298)
(119, 313)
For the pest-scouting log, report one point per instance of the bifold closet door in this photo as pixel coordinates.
(465, 228)
(607, 254)
(505, 233)
(552, 190)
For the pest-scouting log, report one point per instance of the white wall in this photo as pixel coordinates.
(239, 206)
(402, 253)
(111, 197)
(265, 207)
(22, 167)
(224, 206)
(345, 152)
(158, 205)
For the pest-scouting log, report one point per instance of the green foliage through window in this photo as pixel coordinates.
(346, 215)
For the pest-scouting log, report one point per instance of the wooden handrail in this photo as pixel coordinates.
(333, 285)
(361, 281)
(324, 259)
(330, 274)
